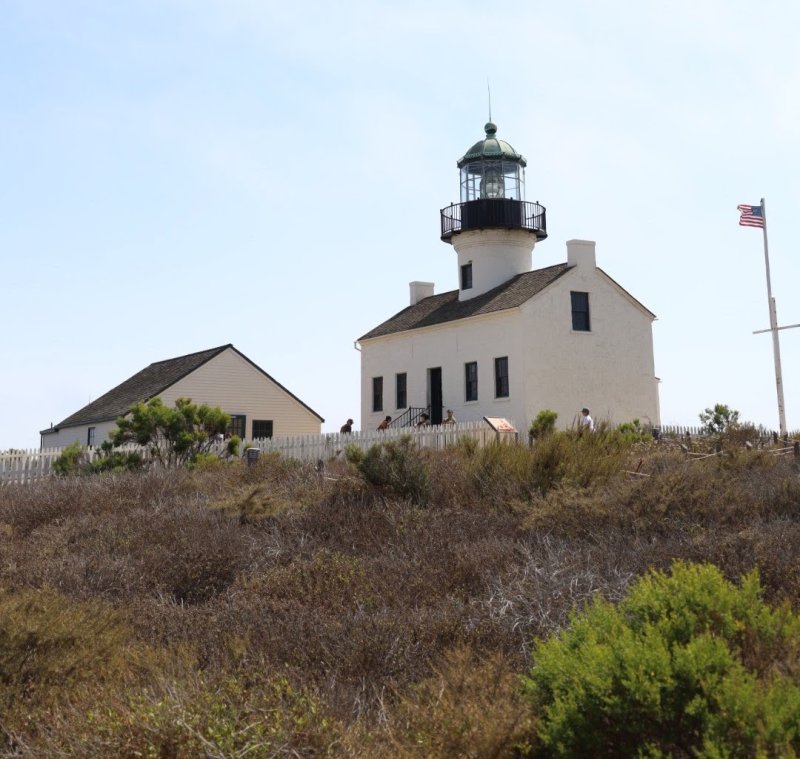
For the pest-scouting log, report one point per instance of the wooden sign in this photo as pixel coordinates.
(499, 424)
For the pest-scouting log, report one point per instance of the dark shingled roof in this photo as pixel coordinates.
(446, 307)
(141, 387)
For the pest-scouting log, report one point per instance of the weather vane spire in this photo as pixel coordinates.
(489, 92)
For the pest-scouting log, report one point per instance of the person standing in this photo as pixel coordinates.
(347, 427)
(424, 420)
(586, 422)
(450, 418)
(384, 425)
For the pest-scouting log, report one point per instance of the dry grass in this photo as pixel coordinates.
(386, 626)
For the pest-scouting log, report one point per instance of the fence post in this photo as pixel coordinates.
(796, 449)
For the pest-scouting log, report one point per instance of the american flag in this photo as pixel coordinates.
(752, 216)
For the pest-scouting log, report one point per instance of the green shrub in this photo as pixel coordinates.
(174, 436)
(396, 466)
(502, 472)
(111, 460)
(206, 462)
(516, 471)
(70, 461)
(633, 432)
(543, 424)
(719, 419)
(688, 664)
(354, 454)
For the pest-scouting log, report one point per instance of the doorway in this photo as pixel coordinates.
(435, 394)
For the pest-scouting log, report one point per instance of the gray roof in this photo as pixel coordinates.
(446, 307)
(149, 383)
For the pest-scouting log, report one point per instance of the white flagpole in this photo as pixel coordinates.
(773, 326)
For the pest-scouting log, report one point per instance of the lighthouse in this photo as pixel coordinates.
(510, 341)
(493, 229)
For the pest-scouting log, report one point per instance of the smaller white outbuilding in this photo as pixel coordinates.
(511, 341)
(259, 405)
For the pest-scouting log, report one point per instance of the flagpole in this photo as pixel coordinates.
(773, 326)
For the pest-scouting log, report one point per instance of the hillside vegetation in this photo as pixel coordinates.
(457, 603)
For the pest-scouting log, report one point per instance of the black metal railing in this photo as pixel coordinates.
(494, 213)
(410, 417)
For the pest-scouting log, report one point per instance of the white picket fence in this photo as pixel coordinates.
(675, 430)
(27, 466)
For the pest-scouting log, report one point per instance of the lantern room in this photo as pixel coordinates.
(492, 191)
(491, 168)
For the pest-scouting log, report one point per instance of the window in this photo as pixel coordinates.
(501, 377)
(91, 437)
(580, 311)
(466, 276)
(377, 393)
(401, 399)
(238, 425)
(262, 428)
(471, 381)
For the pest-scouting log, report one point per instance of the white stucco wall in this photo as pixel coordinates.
(496, 256)
(608, 369)
(449, 346)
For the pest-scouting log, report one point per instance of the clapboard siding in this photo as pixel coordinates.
(67, 435)
(238, 387)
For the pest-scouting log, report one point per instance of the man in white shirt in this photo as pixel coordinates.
(587, 423)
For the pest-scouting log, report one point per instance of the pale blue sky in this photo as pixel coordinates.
(180, 174)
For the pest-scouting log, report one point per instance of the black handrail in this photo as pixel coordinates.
(410, 417)
(494, 213)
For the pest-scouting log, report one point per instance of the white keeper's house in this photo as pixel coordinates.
(510, 341)
(259, 406)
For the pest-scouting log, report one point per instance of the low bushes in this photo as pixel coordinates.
(227, 609)
(234, 716)
(518, 472)
(688, 664)
(470, 706)
(397, 467)
(48, 642)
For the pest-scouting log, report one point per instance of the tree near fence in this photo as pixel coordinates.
(174, 436)
(719, 419)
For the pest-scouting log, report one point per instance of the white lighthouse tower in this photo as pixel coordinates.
(493, 229)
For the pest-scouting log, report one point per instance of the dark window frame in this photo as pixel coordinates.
(401, 390)
(238, 426)
(377, 393)
(91, 437)
(501, 378)
(581, 317)
(466, 276)
(470, 381)
(268, 427)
